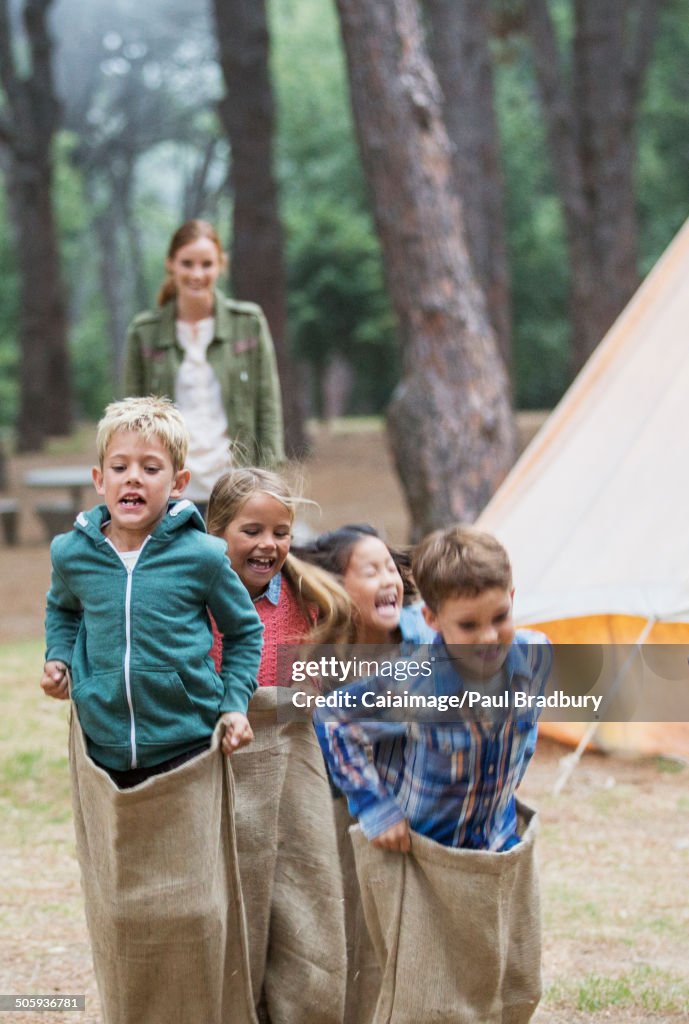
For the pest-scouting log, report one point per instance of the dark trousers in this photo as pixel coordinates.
(134, 776)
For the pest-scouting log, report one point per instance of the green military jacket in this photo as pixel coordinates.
(243, 359)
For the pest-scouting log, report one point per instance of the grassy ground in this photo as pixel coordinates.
(614, 847)
(45, 946)
(614, 852)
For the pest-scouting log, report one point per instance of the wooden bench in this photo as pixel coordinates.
(58, 514)
(9, 517)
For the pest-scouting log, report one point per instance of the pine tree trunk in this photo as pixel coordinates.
(591, 116)
(45, 379)
(450, 422)
(606, 151)
(247, 112)
(459, 35)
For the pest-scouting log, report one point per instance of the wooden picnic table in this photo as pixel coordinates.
(57, 516)
(73, 479)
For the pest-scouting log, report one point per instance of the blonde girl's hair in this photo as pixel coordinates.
(316, 587)
(150, 417)
(312, 586)
(191, 231)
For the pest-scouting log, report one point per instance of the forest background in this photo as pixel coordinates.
(134, 118)
(115, 125)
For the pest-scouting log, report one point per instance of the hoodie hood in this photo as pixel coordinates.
(179, 513)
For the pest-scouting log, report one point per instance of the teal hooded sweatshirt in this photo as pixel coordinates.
(137, 642)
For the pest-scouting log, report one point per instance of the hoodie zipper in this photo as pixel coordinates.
(128, 651)
(84, 523)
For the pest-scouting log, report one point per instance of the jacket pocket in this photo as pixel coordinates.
(101, 702)
(164, 711)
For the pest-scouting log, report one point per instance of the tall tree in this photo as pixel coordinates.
(248, 114)
(450, 422)
(28, 122)
(131, 80)
(591, 96)
(458, 40)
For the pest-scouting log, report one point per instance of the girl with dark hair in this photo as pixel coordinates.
(379, 582)
(377, 579)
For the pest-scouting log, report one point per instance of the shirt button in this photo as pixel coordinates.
(491, 769)
(244, 376)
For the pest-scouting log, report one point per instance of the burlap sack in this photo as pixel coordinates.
(161, 887)
(289, 868)
(363, 970)
(457, 932)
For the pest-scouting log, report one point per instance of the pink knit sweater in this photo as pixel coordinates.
(283, 623)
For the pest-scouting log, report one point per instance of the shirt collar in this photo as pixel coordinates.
(272, 591)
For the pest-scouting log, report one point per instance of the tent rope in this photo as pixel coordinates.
(570, 761)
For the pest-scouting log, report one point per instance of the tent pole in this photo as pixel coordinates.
(570, 761)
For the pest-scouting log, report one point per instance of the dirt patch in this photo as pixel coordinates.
(350, 476)
(613, 849)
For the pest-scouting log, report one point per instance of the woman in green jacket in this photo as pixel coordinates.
(213, 357)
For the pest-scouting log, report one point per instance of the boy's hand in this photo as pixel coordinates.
(395, 838)
(54, 680)
(238, 733)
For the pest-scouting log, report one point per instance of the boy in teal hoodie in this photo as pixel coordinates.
(127, 610)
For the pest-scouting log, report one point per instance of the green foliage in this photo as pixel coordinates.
(92, 370)
(337, 299)
(87, 336)
(643, 986)
(70, 201)
(536, 239)
(316, 149)
(663, 134)
(338, 304)
(9, 351)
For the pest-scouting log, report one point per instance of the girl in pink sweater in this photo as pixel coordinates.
(286, 840)
(253, 511)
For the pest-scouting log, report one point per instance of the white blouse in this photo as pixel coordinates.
(199, 399)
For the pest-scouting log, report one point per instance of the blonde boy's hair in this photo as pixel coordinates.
(150, 417)
(459, 561)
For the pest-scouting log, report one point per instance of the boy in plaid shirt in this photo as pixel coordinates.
(451, 779)
(453, 782)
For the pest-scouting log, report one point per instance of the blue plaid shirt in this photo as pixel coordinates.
(454, 780)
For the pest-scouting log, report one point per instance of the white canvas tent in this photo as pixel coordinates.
(595, 514)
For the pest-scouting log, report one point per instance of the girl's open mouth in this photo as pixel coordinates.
(387, 605)
(261, 564)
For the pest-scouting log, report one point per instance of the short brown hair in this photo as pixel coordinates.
(459, 561)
